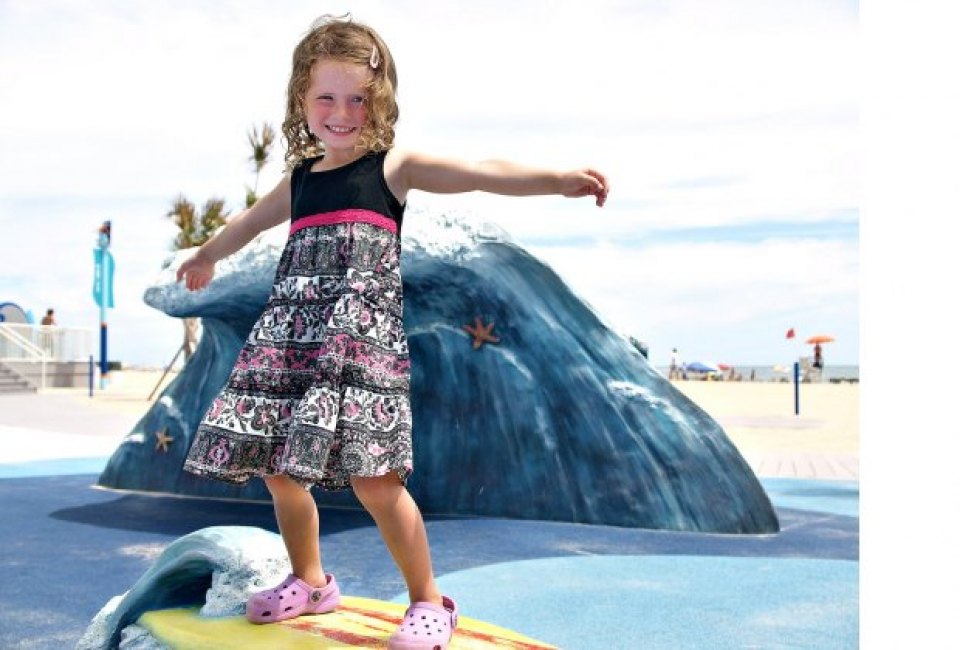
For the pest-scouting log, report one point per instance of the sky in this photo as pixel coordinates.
(728, 129)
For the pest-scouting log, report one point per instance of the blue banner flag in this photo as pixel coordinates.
(103, 277)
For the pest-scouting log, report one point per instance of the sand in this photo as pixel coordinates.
(822, 442)
(127, 391)
(759, 416)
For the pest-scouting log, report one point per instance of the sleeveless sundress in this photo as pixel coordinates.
(321, 388)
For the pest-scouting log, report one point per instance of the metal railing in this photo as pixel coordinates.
(22, 342)
(15, 347)
(44, 344)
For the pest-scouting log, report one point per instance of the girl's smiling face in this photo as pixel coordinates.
(335, 106)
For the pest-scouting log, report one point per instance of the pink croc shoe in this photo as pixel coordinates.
(291, 598)
(426, 626)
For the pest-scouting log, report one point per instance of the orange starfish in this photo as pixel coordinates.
(481, 333)
(163, 440)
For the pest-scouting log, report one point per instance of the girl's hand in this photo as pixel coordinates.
(585, 182)
(197, 271)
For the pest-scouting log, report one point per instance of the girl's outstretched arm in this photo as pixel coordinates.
(270, 210)
(415, 171)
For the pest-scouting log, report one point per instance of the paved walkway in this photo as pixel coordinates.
(805, 465)
(636, 588)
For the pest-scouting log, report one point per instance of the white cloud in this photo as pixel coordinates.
(112, 107)
(724, 301)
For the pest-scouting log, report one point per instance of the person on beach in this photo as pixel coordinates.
(320, 392)
(46, 338)
(817, 356)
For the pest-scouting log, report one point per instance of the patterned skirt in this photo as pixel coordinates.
(321, 389)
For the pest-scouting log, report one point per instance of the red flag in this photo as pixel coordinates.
(791, 333)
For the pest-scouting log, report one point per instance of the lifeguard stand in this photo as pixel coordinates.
(808, 372)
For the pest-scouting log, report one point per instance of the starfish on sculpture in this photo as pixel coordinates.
(163, 440)
(481, 333)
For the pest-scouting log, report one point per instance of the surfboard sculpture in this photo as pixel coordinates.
(193, 596)
(357, 623)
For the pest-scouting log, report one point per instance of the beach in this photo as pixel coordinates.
(822, 442)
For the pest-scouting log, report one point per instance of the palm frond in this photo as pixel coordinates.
(211, 218)
(184, 215)
(261, 143)
(251, 196)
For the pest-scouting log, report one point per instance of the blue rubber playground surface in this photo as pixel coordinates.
(66, 548)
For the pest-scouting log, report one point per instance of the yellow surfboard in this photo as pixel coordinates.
(356, 623)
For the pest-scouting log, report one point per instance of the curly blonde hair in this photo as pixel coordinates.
(339, 38)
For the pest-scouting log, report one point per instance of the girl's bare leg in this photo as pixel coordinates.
(299, 524)
(401, 525)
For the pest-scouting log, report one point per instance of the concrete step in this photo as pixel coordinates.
(22, 387)
(11, 382)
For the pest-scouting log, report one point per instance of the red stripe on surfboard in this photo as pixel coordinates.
(360, 639)
(342, 636)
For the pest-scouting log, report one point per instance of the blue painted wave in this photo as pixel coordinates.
(562, 420)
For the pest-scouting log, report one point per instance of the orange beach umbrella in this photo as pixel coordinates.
(820, 338)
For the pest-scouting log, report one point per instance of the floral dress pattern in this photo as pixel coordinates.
(321, 388)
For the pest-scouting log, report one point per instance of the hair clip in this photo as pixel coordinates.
(375, 58)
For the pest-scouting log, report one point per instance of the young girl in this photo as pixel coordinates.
(320, 393)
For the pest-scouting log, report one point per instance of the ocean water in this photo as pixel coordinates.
(767, 372)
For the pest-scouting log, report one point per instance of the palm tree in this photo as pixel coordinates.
(211, 220)
(195, 230)
(184, 215)
(260, 143)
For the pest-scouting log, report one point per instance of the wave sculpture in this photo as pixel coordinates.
(525, 404)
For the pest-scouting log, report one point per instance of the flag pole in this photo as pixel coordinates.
(791, 333)
(796, 388)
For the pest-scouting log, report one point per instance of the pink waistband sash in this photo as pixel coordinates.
(345, 216)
